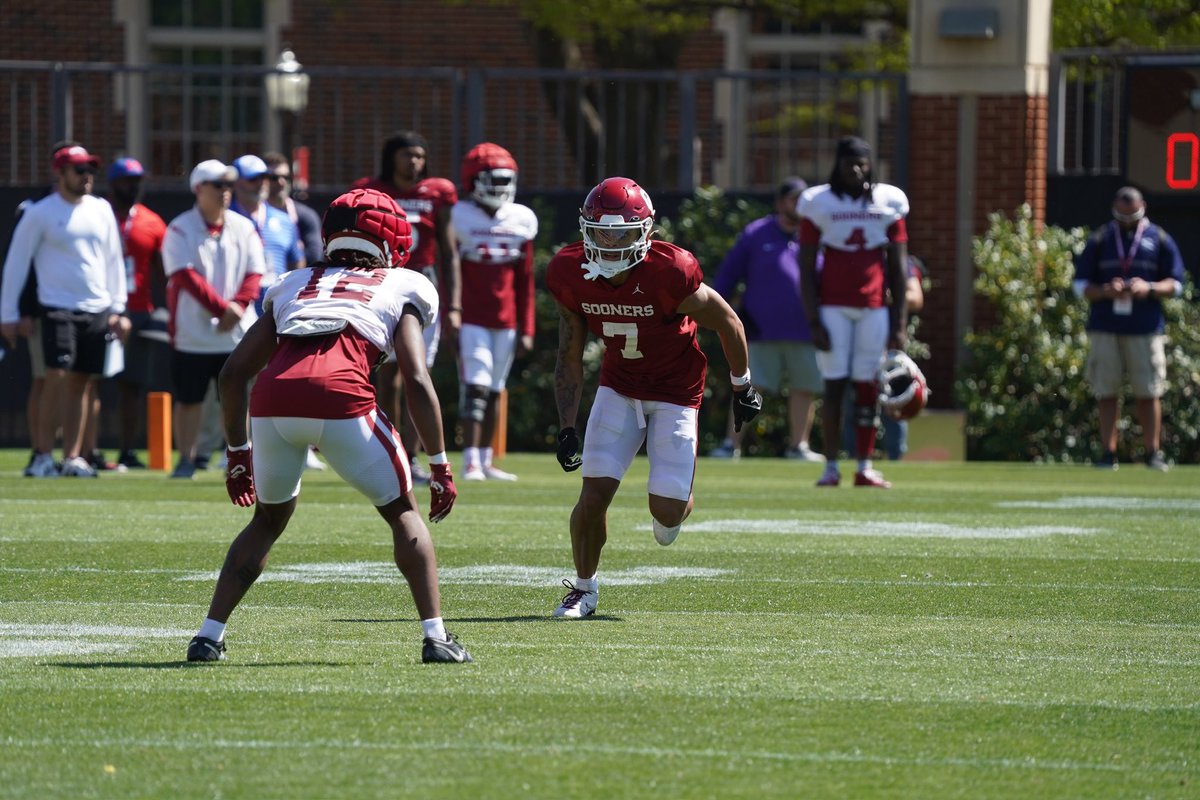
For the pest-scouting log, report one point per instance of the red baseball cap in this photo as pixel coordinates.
(74, 155)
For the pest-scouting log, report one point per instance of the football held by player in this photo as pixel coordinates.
(322, 329)
(644, 299)
(856, 306)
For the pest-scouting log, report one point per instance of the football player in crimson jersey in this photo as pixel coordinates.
(426, 202)
(856, 306)
(644, 299)
(495, 243)
(322, 329)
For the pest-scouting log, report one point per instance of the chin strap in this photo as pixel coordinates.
(591, 270)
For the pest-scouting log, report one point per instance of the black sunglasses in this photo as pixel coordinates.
(84, 170)
(220, 185)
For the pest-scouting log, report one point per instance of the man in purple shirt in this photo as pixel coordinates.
(764, 261)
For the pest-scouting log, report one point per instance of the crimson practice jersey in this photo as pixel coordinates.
(322, 374)
(421, 203)
(853, 237)
(652, 352)
(497, 265)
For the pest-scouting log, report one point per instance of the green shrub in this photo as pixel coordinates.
(1024, 387)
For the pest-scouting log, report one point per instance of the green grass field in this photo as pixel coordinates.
(981, 631)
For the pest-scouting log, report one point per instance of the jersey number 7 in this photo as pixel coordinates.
(630, 331)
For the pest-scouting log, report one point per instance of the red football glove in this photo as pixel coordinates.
(442, 492)
(239, 477)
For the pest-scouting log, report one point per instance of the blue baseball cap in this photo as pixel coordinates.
(250, 166)
(125, 168)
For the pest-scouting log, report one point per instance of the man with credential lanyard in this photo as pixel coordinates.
(1128, 265)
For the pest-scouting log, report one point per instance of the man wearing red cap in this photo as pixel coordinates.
(71, 239)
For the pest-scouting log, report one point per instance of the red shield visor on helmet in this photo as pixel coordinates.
(370, 222)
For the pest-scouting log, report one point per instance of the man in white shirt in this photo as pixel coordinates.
(71, 239)
(214, 264)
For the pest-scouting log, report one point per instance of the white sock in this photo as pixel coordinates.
(864, 464)
(471, 456)
(434, 629)
(487, 456)
(211, 629)
(831, 466)
(587, 584)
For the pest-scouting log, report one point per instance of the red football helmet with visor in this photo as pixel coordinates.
(489, 175)
(903, 392)
(615, 220)
(370, 222)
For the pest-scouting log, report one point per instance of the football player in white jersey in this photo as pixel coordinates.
(495, 245)
(322, 331)
(856, 306)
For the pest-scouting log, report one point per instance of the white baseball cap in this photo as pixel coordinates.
(211, 170)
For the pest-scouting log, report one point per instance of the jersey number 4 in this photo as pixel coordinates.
(630, 331)
(857, 240)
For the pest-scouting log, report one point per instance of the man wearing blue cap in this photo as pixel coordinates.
(147, 353)
(280, 238)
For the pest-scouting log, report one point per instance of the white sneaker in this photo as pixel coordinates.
(474, 473)
(312, 461)
(577, 603)
(497, 474)
(804, 453)
(77, 467)
(42, 466)
(664, 535)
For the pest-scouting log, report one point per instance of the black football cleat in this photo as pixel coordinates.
(446, 651)
(202, 649)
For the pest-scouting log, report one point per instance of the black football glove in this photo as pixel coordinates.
(746, 405)
(568, 450)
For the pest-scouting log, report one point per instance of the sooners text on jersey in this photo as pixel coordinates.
(853, 237)
(651, 351)
(497, 264)
(328, 376)
(421, 203)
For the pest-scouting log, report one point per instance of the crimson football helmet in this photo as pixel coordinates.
(370, 222)
(903, 392)
(489, 175)
(615, 220)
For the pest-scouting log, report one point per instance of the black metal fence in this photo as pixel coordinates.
(672, 130)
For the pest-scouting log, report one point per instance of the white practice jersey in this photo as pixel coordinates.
(846, 223)
(486, 239)
(370, 301)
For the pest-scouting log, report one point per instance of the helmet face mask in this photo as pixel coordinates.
(370, 222)
(616, 220)
(903, 392)
(495, 188)
(489, 175)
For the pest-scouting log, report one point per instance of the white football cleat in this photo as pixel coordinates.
(42, 466)
(474, 473)
(497, 474)
(77, 467)
(664, 535)
(577, 603)
(311, 461)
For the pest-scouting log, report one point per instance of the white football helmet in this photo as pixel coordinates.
(615, 221)
(903, 392)
(489, 175)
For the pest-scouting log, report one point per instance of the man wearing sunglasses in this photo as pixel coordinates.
(214, 263)
(70, 238)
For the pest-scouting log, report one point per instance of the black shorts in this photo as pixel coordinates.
(147, 355)
(75, 340)
(191, 373)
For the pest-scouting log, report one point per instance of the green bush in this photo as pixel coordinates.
(1024, 387)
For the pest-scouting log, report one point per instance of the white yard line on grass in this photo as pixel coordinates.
(578, 747)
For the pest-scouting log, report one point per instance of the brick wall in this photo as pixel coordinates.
(1010, 169)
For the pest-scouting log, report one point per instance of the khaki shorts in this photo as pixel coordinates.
(778, 365)
(1112, 356)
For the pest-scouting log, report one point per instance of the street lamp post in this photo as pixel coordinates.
(287, 95)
